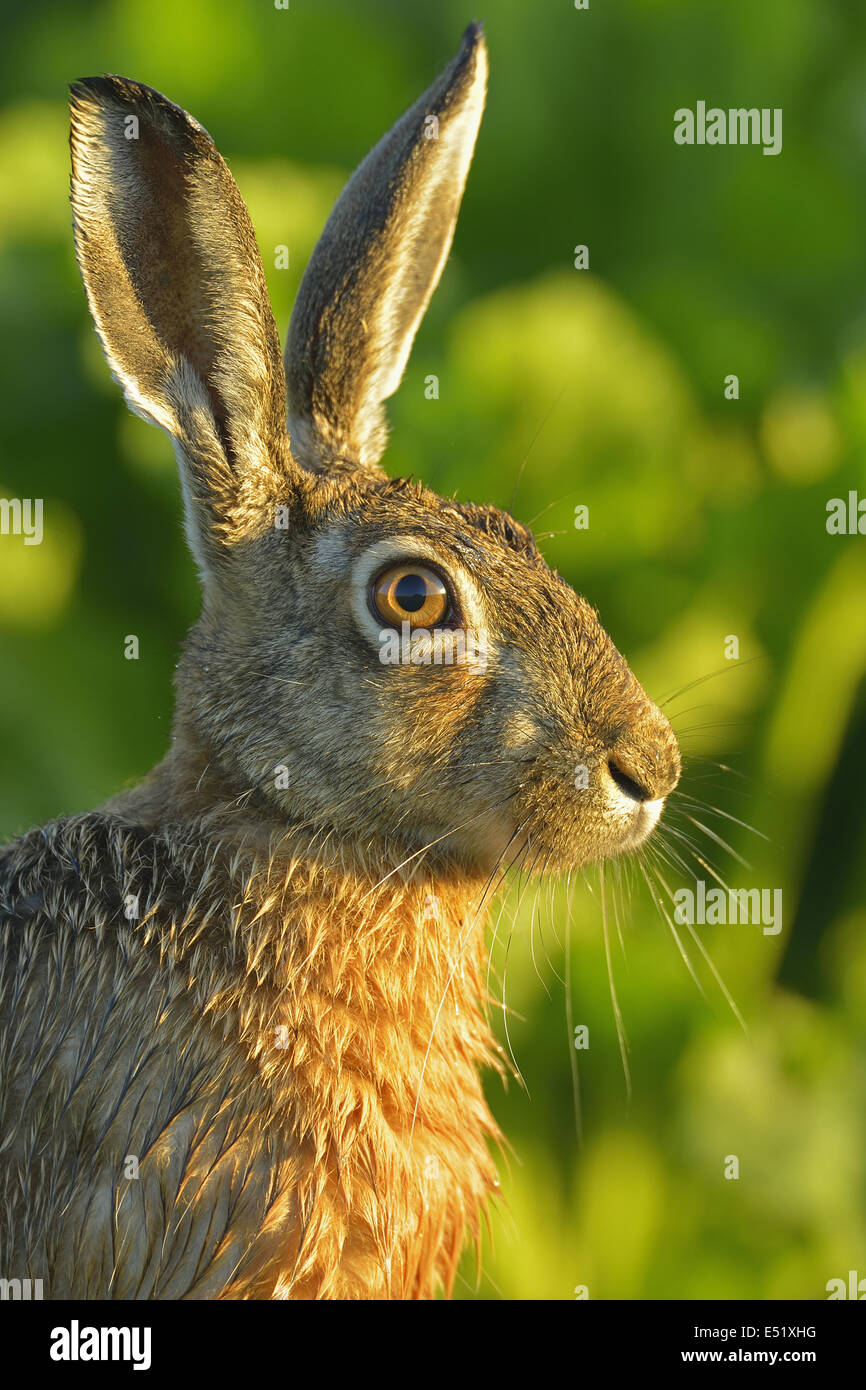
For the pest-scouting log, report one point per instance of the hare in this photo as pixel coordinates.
(242, 1006)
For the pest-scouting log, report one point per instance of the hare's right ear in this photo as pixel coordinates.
(177, 292)
(375, 267)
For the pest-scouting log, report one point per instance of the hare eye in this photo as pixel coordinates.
(410, 593)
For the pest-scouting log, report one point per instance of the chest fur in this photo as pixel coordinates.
(362, 1007)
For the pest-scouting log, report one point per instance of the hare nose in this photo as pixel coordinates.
(628, 784)
(645, 762)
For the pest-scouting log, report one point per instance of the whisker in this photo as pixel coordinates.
(711, 675)
(462, 946)
(715, 811)
(423, 850)
(718, 839)
(511, 1052)
(532, 444)
(646, 870)
(704, 863)
(706, 955)
(617, 1013)
(569, 1018)
(269, 676)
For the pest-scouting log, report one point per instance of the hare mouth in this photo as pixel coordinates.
(500, 842)
(643, 820)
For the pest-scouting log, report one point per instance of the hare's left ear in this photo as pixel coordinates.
(375, 267)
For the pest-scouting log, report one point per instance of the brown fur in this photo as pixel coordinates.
(262, 1064)
(242, 1007)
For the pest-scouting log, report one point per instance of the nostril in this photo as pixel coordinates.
(627, 784)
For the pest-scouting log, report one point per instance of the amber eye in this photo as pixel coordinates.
(410, 593)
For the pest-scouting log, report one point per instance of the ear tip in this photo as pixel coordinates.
(92, 98)
(111, 92)
(474, 42)
(473, 34)
(470, 67)
(108, 89)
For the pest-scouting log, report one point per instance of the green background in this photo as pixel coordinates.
(707, 520)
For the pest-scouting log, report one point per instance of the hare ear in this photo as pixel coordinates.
(375, 267)
(177, 292)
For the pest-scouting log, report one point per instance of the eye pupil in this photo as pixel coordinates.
(411, 592)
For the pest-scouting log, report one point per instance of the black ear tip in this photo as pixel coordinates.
(471, 56)
(81, 89)
(98, 86)
(87, 95)
(122, 96)
(107, 90)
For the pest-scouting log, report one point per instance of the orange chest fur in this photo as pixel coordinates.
(368, 1031)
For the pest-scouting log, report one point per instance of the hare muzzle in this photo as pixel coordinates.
(597, 757)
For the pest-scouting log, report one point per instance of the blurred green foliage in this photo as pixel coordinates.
(707, 518)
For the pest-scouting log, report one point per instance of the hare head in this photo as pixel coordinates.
(371, 659)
